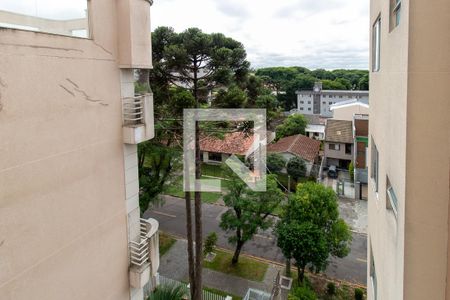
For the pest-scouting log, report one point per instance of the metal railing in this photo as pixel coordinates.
(133, 110)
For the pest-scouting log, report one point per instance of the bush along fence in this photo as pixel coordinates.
(207, 295)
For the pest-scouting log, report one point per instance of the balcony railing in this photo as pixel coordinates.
(138, 121)
(133, 110)
(140, 251)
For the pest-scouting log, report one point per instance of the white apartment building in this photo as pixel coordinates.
(319, 101)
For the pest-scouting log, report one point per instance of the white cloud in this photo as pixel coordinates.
(313, 33)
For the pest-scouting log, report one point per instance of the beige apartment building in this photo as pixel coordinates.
(70, 123)
(408, 235)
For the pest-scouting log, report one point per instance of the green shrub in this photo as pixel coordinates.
(351, 171)
(302, 293)
(168, 292)
(210, 243)
(296, 168)
(275, 162)
(331, 288)
(359, 294)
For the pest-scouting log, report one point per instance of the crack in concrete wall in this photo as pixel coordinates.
(75, 89)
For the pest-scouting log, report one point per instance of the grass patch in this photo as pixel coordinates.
(176, 189)
(247, 268)
(212, 170)
(221, 293)
(165, 243)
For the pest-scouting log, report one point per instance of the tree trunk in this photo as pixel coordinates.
(301, 274)
(190, 247)
(237, 252)
(288, 267)
(198, 201)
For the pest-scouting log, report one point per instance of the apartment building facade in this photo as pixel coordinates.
(70, 123)
(319, 101)
(408, 193)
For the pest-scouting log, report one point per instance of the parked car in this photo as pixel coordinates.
(332, 172)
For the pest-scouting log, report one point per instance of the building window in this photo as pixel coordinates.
(396, 6)
(329, 103)
(340, 97)
(374, 164)
(214, 156)
(373, 275)
(335, 147)
(323, 102)
(376, 43)
(302, 102)
(309, 108)
(391, 197)
(348, 148)
(301, 108)
(309, 102)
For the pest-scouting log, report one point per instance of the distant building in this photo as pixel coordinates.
(319, 101)
(338, 149)
(346, 110)
(216, 150)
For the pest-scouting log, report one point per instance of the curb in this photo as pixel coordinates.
(268, 261)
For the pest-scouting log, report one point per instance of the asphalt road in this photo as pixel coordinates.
(172, 219)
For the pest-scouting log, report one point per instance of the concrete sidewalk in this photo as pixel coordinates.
(174, 265)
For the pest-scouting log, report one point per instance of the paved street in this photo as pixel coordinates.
(172, 218)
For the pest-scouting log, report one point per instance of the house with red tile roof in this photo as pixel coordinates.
(216, 150)
(297, 145)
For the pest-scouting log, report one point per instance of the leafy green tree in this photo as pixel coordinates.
(198, 62)
(310, 230)
(296, 168)
(254, 88)
(363, 83)
(234, 97)
(210, 243)
(333, 85)
(248, 211)
(292, 125)
(275, 162)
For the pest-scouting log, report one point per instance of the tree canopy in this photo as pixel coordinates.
(310, 230)
(248, 210)
(296, 168)
(292, 125)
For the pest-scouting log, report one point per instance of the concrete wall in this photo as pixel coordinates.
(338, 154)
(347, 112)
(409, 117)
(63, 215)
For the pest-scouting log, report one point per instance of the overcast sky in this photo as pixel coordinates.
(328, 34)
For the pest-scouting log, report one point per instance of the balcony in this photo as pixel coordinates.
(138, 123)
(144, 254)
